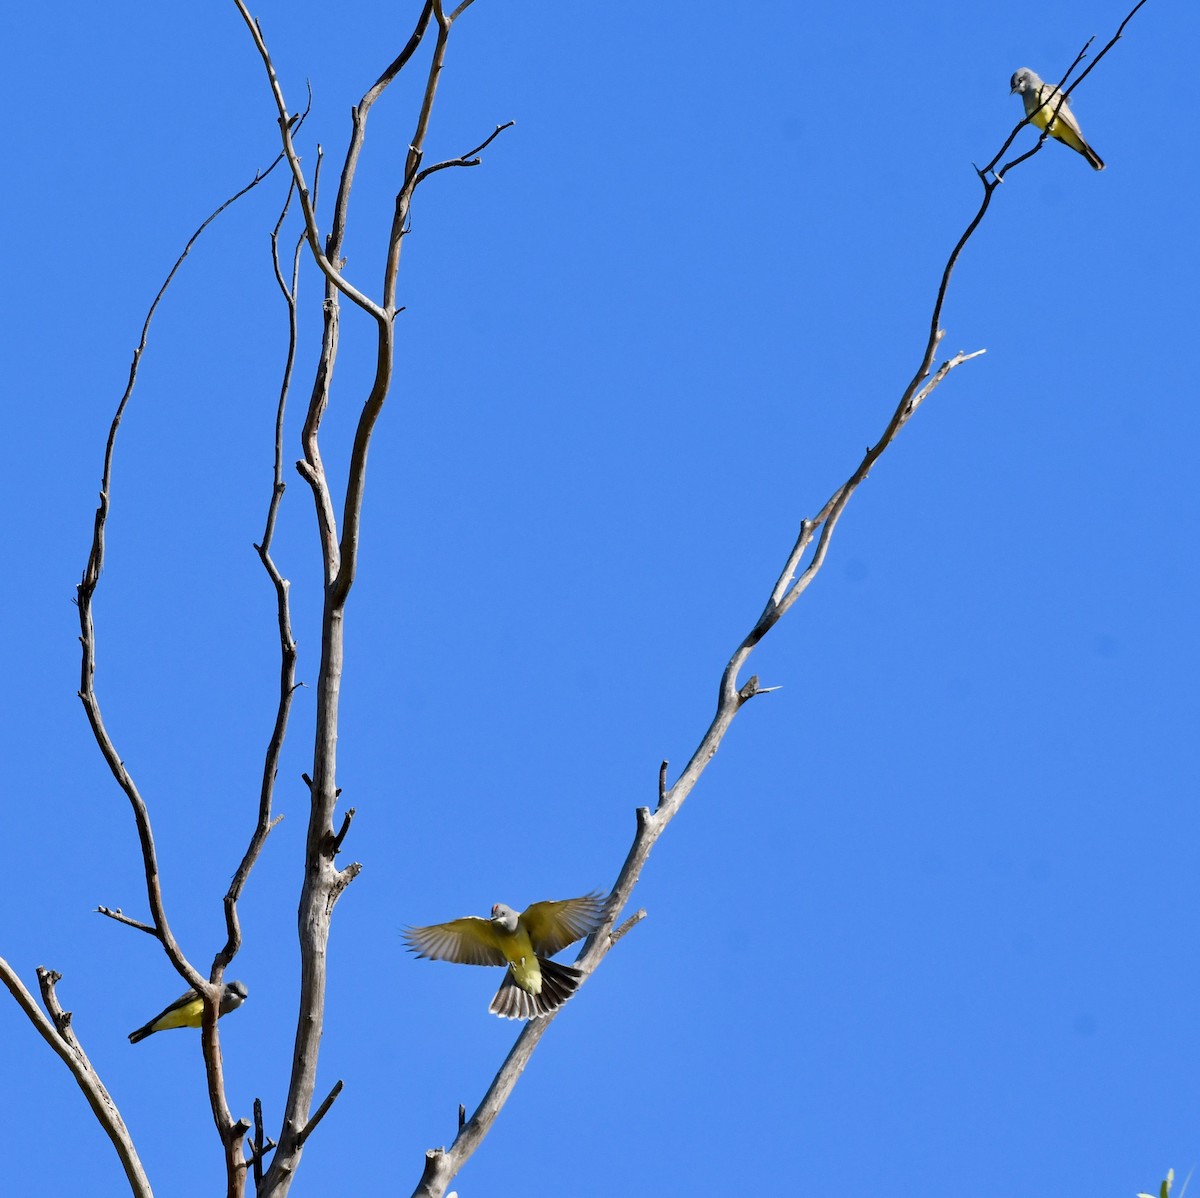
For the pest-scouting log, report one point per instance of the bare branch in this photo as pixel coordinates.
(356, 479)
(116, 913)
(346, 820)
(87, 694)
(58, 1033)
(358, 118)
(416, 150)
(323, 882)
(260, 1145)
(441, 1164)
(287, 642)
(311, 1126)
(1112, 41)
(628, 925)
(232, 1132)
(470, 158)
(312, 469)
(85, 593)
(286, 125)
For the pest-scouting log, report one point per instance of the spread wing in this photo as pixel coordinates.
(468, 941)
(554, 924)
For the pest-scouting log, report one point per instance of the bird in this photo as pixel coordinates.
(533, 985)
(1046, 105)
(188, 1009)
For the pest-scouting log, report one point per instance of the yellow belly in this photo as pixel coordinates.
(523, 962)
(186, 1016)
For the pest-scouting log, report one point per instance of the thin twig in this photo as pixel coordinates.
(258, 1145)
(286, 124)
(470, 158)
(627, 926)
(341, 835)
(120, 917)
(312, 468)
(311, 1125)
(85, 593)
(358, 117)
(1112, 41)
(1061, 99)
(356, 478)
(287, 642)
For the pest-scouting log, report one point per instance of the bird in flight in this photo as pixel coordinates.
(533, 985)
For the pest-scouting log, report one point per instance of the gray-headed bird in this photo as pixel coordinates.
(188, 1009)
(533, 985)
(1046, 105)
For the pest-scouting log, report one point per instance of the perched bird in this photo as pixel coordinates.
(187, 1009)
(533, 985)
(1046, 105)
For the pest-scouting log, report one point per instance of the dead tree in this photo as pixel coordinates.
(271, 1163)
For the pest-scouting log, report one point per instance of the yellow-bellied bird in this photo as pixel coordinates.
(187, 1009)
(1046, 105)
(533, 985)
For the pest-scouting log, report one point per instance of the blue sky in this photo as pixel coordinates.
(927, 924)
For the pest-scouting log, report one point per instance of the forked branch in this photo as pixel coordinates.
(58, 1033)
(469, 158)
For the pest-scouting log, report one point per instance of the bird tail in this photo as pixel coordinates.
(1096, 161)
(559, 982)
(141, 1033)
